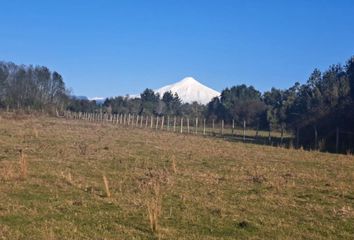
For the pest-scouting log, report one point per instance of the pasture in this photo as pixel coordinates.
(70, 179)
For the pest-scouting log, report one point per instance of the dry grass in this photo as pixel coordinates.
(154, 208)
(23, 165)
(165, 185)
(174, 166)
(106, 186)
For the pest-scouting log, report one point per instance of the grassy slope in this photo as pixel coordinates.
(220, 190)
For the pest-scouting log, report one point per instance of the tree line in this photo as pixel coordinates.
(31, 87)
(315, 108)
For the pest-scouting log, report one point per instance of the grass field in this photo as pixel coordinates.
(71, 179)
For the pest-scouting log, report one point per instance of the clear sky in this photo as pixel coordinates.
(109, 48)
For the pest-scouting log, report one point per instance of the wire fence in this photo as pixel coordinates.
(184, 125)
(336, 140)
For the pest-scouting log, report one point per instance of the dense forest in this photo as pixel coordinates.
(317, 110)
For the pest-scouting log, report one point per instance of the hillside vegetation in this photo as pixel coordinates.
(65, 179)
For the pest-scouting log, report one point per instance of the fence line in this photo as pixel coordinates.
(184, 125)
(197, 127)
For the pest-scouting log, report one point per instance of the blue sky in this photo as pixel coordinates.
(109, 48)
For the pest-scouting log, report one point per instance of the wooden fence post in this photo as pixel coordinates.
(168, 123)
(181, 124)
(233, 126)
(174, 124)
(316, 136)
(282, 134)
(151, 121)
(337, 139)
(196, 125)
(157, 122)
(187, 125)
(204, 127)
(162, 122)
(222, 127)
(269, 134)
(213, 125)
(244, 130)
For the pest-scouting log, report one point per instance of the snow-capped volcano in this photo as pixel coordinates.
(190, 90)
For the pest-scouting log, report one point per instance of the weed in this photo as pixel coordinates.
(106, 186)
(23, 165)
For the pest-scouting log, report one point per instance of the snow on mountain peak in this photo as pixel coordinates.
(188, 80)
(190, 90)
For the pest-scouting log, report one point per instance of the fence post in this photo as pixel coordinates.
(337, 139)
(269, 134)
(282, 134)
(222, 127)
(181, 124)
(152, 121)
(174, 124)
(157, 122)
(204, 126)
(233, 126)
(187, 125)
(168, 123)
(213, 125)
(244, 130)
(196, 125)
(162, 122)
(316, 136)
